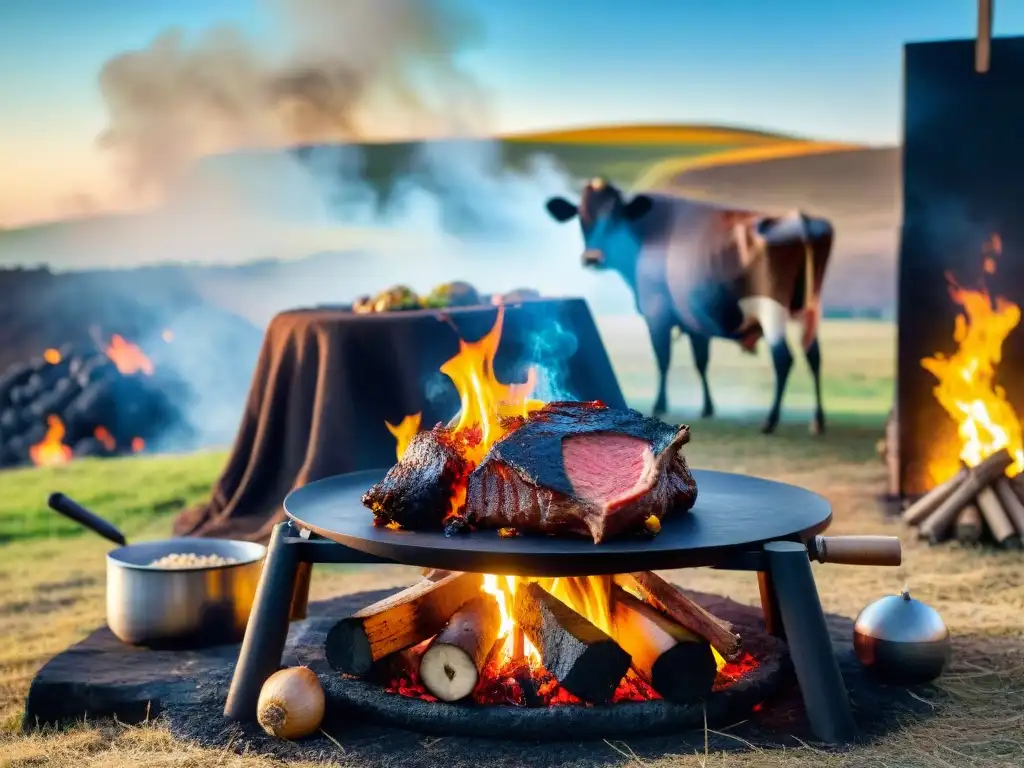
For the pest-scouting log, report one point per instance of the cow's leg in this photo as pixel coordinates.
(813, 355)
(701, 348)
(773, 316)
(660, 328)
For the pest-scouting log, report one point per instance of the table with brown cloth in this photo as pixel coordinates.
(328, 379)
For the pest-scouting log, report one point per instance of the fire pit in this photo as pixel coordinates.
(738, 523)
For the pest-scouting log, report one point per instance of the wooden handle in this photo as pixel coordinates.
(856, 550)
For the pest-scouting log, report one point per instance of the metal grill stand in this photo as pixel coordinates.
(789, 599)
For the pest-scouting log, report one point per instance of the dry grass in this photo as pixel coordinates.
(51, 595)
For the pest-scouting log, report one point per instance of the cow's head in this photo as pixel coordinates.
(607, 221)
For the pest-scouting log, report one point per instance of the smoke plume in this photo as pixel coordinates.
(341, 70)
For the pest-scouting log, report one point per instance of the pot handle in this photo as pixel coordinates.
(856, 550)
(72, 510)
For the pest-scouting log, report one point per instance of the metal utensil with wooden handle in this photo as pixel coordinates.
(856, 550)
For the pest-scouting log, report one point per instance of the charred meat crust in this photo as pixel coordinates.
(416, 492)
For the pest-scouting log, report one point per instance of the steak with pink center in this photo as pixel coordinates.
(582, 469)
(604, 468)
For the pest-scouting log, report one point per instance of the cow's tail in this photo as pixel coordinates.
(812, 310)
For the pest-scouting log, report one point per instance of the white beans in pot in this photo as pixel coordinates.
(191, 560)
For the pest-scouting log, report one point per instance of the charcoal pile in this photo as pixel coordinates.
(76, 401)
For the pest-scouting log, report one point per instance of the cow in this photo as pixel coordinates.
(711, 272)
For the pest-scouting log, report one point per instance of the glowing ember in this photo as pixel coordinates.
(105, 438)
(404, 432)
(986, 422)
(51, 451)
(128, 357)
(52, 356)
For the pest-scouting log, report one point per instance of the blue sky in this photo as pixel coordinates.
(823, 68)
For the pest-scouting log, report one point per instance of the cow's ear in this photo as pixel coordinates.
(638, 207)
(560, 209)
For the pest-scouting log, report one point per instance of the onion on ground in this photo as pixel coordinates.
(291, 703)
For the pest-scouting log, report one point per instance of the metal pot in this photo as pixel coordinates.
(193, 607)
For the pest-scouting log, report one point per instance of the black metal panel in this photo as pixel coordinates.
(733, 512)
(963, 169)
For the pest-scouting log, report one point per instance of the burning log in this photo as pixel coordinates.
(676, 662)
(921, 509)
(584, 660)
(397, 622)
(668, 599)
(968, 525)
(936, 527)
(451, 666)
(995, 516)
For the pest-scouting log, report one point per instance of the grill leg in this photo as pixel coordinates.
(817, 671)
(267, 630)
(770, 604)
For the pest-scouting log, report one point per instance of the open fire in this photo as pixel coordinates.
(128, 359)
(975, 494)
(104, 400)
(499, 639)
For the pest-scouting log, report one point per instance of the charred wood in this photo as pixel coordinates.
(676, 662)
(397, 622)
(668, 599)
(586, 662)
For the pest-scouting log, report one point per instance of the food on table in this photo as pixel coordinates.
(399, 298)
(291, 703)
(570, 468)
(191, 560)
(516, 296)
(456, 294)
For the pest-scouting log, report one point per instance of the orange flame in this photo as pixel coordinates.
(128, 357)
(484, 400)
(138, 445)
(51, 451)
(105, 438)
(52, 356)
(404, 432)
(986, 422)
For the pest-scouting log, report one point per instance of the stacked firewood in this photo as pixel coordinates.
(447, 629)
(977, 504)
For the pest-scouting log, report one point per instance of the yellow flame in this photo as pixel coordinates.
(504, 595)
(404, 432)
(51, 451)
(966, 389)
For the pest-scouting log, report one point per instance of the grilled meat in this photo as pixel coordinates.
(582, 469)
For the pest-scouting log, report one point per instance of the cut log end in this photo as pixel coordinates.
(448, 672)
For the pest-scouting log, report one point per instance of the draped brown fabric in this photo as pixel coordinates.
(327, 380)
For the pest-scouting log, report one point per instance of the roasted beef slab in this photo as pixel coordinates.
(417, 492)
(582, 469)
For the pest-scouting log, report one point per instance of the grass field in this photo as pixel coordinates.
(52, 580)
